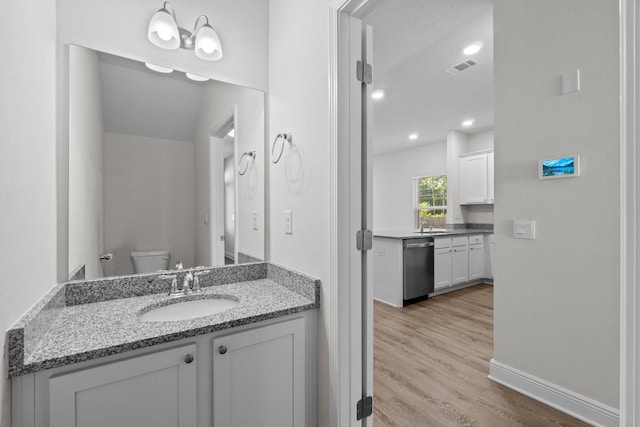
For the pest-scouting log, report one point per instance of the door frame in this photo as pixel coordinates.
(629, 216)
(341, 308)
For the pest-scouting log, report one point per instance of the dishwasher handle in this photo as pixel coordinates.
(418, 245)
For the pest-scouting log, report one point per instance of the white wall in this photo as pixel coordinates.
(218, 103)
(393, 183)
(298, 103)
(86, 134)
(120, 27)
(481, 141)
(148, 199)
(557, 297)
(27, 164)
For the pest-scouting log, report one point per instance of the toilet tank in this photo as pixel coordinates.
(150, 261)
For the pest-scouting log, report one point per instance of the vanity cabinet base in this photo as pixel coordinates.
(263, 371)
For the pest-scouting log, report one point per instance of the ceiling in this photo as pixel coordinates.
(141, 102)
(414, 43)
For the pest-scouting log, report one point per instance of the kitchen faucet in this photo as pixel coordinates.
(422, 224)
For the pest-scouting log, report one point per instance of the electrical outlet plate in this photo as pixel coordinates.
(288, 226)
(254, 220)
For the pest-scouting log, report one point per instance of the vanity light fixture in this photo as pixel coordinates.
(165, 33)
(468, 123)
(472, 48)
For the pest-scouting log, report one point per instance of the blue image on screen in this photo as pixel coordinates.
(557, 167)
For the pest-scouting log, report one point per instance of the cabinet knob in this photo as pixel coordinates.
(222, 349)
(188, 358)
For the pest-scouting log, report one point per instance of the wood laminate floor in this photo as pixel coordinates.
(431, 361)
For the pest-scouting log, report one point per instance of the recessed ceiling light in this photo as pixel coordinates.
(472, 48)
(197, 78)
(158, 68)
(413, 136)
(468, 123)
(231, 133)
(377, 94)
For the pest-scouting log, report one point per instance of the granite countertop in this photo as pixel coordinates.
(79, 321)
(404, 234)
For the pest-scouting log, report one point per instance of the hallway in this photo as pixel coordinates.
(431, 361)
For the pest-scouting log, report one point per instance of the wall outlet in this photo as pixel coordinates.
(288, 226)
(254, 219)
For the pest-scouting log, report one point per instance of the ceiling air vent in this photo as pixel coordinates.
(463, 66)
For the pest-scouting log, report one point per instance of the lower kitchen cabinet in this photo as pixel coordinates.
(476, 258)
(156, 390)
(263, 374)
(459, 261)
(442, 266)
(259, 377)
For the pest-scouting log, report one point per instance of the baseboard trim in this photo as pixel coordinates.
(567, 401)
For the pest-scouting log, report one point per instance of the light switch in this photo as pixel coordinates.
(571, 81)
(288, 226)
(524, 229)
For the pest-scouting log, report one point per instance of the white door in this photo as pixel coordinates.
(216, 201)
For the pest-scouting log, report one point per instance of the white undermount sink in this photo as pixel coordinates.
(189, 309)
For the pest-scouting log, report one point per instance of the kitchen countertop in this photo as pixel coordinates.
(404, 234)
(60, 330)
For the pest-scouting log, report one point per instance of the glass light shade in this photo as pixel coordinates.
(158, 68)
(163, 30)
(208, 45)
(196, 77)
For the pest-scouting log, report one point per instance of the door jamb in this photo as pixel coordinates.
(629, 217)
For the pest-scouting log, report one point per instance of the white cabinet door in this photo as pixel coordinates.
(442, 268)
(476, 261)
(258, 377)
(473, 179)
(490, 180)
(155, 390)
(459, 265)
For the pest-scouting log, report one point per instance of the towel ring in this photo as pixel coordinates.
(247, 154)
(286, 137)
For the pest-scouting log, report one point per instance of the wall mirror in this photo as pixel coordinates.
(160, 164)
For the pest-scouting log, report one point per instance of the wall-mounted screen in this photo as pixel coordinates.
(561, 167)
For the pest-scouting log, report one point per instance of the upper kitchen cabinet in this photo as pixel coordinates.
(476, 178)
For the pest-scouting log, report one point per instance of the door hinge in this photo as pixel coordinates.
(364, 240)
(364, 408)
(364, 72)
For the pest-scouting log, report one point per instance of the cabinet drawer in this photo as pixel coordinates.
(459, 241)
(442, 242)
(475, 239)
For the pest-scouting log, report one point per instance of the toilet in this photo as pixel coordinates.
(150, 261)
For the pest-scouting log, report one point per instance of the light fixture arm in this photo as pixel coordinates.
(187, 39)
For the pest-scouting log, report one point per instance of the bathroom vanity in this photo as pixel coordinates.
(83, 356)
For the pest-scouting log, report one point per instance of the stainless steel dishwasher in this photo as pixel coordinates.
(417, 268)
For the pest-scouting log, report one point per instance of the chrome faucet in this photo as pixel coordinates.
(186, 287)
(422, 224)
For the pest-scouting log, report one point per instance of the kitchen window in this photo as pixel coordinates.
(430, 200)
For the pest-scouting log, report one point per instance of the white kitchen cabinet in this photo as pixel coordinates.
(451, 262)
(259, 377)
(490, 178)
(154, 390)
(476, 257)
(459, 260)
(476, 179)
(442, 264)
